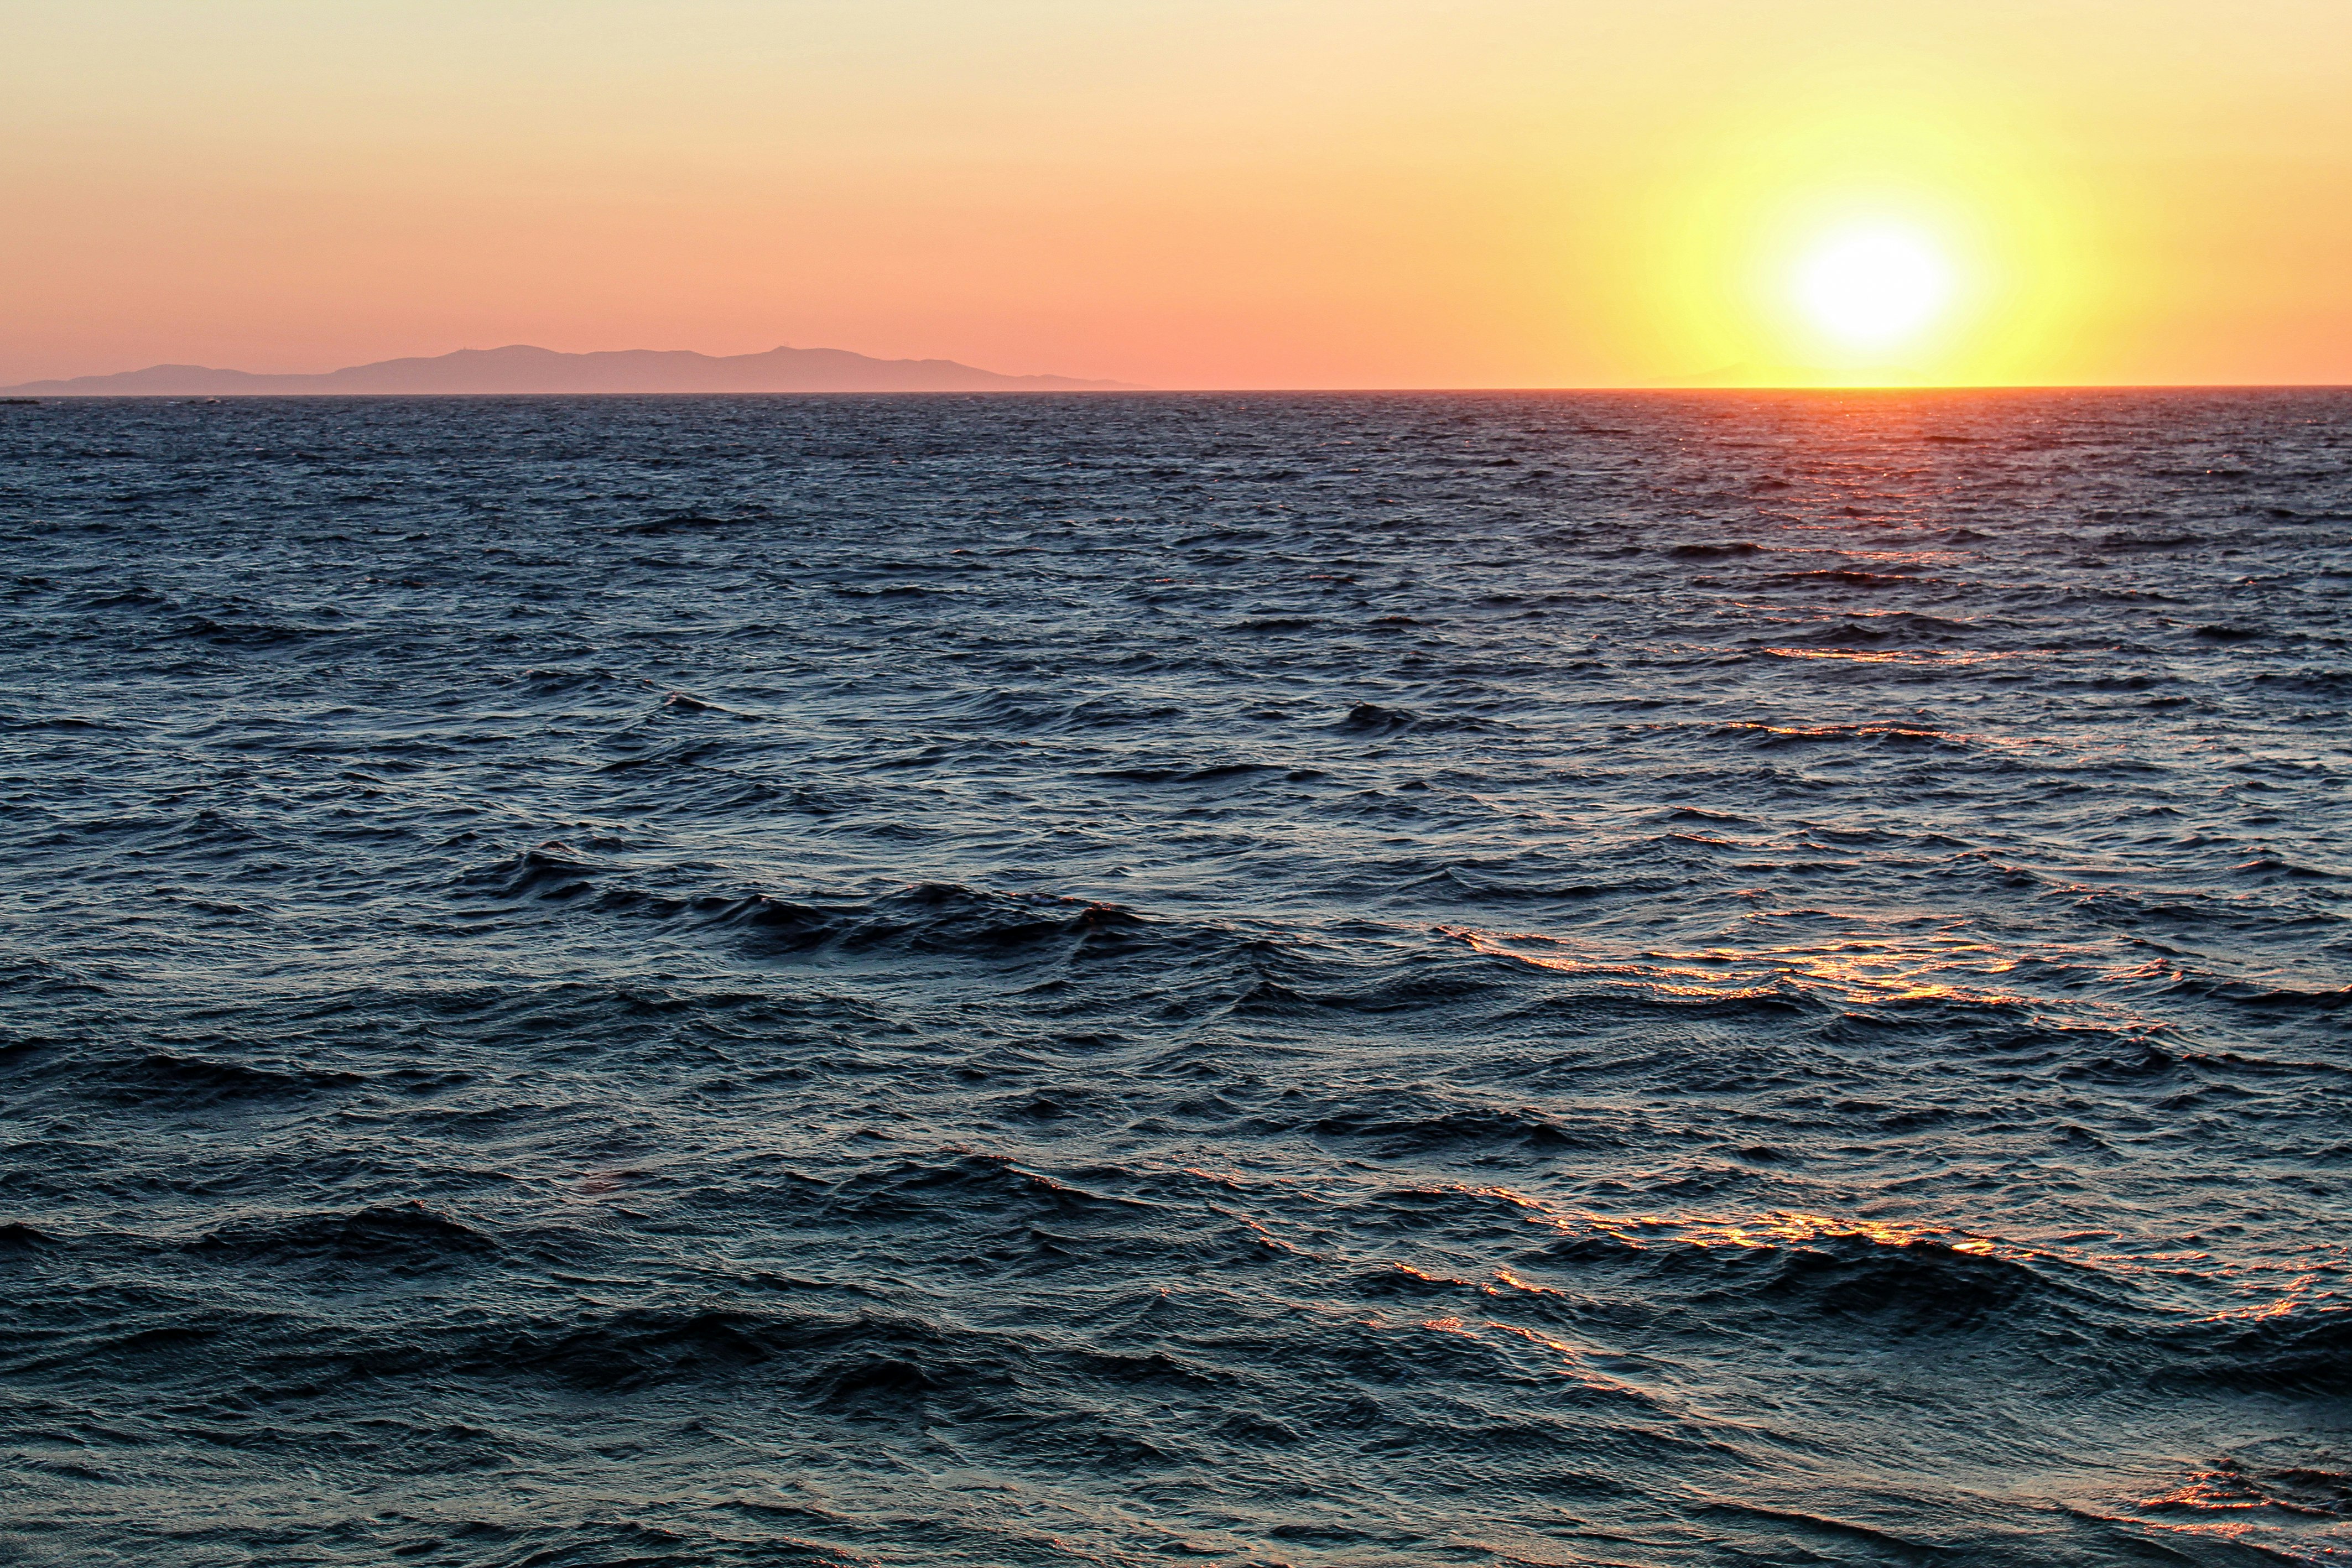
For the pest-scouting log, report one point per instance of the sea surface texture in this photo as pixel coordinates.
(1375, 981)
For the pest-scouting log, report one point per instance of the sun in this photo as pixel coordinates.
(1873, 287)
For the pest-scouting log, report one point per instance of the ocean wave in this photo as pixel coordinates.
(1648, 978)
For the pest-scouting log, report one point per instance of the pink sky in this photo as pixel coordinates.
(1179, 193)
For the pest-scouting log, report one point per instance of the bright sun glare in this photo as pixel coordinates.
(1873, 287)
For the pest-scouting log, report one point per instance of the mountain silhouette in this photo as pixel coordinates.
(521, 369)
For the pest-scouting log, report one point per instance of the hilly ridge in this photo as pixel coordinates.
(521, 369)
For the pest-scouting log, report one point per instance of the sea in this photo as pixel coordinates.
(1725, 979)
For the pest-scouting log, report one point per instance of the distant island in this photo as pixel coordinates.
(523, 369)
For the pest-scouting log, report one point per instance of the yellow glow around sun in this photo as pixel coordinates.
(1870, 241)
(1873, 287)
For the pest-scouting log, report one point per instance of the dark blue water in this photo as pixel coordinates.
(1722, 979)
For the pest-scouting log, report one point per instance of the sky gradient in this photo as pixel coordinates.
(1182, 193)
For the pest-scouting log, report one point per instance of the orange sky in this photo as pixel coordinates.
(1182, 193)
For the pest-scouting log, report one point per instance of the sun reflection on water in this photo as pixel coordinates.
(1860, 970)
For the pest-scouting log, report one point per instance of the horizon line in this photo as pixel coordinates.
(1134, 391)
